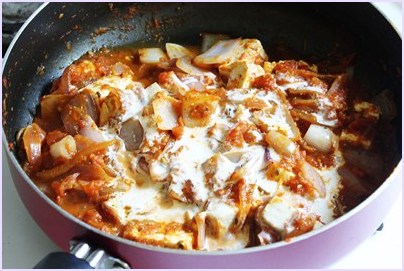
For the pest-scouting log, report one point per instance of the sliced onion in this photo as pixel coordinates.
(81, 155)
(305, 104)
(321, 138)
(132, 134)
(267, 155)
(337, 85)
(311, 175)
(234, 155)
(121, 69)
(50, 105)
(152, 55)
(170, 81)
(219, 53)
(280, 143)
(178, 51)
(89, 172)
(201, 229)
(303, 115)
(293, 127)
(69, 119)
(65, 85)
(77, 76)
(265, 238)
(81, 115)
(186, 66)
(33, 138)
(143, 164)
(208, 40)
(194, 83)
(92, 132)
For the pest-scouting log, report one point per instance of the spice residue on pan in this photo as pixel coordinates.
(154, 26)
(68, 46)
(122, 22)
(65, 34)
(157, 27)
(40, 70)
(5, 82)
(77, 28)
(4, 103)
(101, 31)
(132, 11)
(11, 146)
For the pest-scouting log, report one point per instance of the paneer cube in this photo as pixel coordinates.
(251, 51)
(218, 169)
(278, 214)
(166, 112)
(64, 148)
(198, 108)
(162, 234)
(151, 90)
(220, 216)
(224, 70)
(243, 74)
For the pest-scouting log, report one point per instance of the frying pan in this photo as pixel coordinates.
(59, 33)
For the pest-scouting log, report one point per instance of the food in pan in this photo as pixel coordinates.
(206, 148)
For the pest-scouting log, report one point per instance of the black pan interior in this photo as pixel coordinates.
(315, 32)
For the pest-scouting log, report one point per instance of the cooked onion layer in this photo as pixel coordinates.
(207, 149)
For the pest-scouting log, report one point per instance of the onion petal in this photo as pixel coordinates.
(178, 51)
(186, 66)
(33, 138)
(219, 53)
(311, 175)
(321, 138)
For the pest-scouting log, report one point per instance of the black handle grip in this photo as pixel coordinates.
(62, 260)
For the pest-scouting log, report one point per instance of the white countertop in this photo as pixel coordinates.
(24, 244)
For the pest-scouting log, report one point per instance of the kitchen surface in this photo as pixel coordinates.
(24, 244)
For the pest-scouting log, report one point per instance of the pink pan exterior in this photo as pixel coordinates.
(316, 249)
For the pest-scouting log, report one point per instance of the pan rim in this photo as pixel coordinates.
(396, 172)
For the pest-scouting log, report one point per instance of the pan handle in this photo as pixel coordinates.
(62, 260)
(81, 256)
